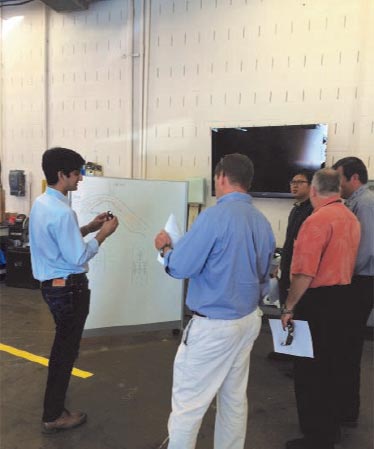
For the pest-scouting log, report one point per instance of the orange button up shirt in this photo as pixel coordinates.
(327, 245)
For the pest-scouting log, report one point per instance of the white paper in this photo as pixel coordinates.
(302, 344)
(172, 228)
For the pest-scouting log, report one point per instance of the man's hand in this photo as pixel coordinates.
(285, 318)
(299, 285)
(162, 239)
(107, 229)
(97, 222)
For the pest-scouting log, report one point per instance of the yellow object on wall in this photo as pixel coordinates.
(44, 185)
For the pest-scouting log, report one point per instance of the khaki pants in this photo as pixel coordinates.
(212, 360)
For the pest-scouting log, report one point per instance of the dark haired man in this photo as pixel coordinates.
(59, 258)
(300, 189)
(322, 267)
(227, 257)
(360, 201)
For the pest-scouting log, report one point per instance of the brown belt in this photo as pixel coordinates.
(72, 279)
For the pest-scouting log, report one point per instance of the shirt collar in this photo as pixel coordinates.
(235, 196)
(303, 204)
(357, 192)
(331, 199)
(57, 194)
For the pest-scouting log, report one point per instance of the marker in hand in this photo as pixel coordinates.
(109, 215)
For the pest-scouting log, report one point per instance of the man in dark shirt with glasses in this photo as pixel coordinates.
(300, 189)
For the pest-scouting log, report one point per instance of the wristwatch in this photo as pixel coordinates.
(285, 311)
(162, 249)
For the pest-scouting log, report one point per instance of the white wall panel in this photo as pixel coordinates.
(67, 81)
(211, 63)
(222, 63)
(22, 126)
(90, 84)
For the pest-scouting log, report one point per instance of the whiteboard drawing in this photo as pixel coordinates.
(128, 286)
(95, 203)
(139, 272)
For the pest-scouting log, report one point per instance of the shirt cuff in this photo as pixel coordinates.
(93, 245)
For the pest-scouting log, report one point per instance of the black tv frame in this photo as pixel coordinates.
(277, 154)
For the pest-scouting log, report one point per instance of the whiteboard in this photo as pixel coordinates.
(128, 286)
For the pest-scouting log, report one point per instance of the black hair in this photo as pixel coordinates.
(307, 173)
(238, 168)
(352, 165)
(60, 159)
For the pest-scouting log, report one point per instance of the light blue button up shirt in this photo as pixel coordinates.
(227, 256)
(56, 243)
(361, 203)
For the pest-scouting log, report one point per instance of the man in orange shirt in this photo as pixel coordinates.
(321, 271)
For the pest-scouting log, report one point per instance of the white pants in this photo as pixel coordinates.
(212, 359)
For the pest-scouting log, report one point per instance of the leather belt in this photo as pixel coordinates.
(72, 279)
(198, 314)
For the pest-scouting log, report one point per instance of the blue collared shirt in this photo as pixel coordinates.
(56, 243)
(361, 203)
(227, 256)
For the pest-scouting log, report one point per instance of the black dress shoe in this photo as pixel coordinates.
(304, 443)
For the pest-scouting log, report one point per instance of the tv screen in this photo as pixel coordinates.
(277, 152)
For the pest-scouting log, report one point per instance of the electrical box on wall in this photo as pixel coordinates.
(17, 182)
(196, 191)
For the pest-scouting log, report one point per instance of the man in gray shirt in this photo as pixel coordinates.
(360, 200)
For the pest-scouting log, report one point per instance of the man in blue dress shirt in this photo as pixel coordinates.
(59, 257)
(227, 257)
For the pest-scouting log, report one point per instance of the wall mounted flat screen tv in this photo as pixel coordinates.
(277, 152)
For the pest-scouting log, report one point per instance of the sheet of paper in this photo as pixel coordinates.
(302, 344)
(172, 228)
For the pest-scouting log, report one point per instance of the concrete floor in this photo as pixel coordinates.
(128, 398)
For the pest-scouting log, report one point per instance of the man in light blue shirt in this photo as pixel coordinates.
(360, 200)
(59, 257)
(227, 257)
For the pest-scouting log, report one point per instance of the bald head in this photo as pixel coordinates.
(326, 182)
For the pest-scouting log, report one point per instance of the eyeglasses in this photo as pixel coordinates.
(289, 338)
(297, 183)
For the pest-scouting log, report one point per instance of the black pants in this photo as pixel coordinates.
(69, 306)
(284, 285)
(317, 381)
(361, 304)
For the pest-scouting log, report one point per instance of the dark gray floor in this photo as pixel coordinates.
(128, 398)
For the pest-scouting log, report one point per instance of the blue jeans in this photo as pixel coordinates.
(69, 306)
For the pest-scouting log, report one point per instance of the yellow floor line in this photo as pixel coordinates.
(38, 359)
